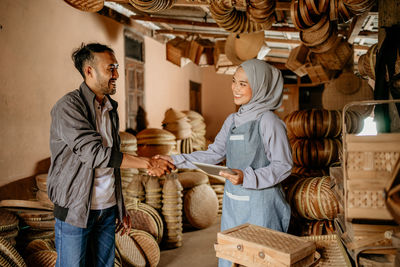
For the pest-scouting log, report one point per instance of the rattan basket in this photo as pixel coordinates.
(11, 254)
(148, 245)
(331, 249)
(8, 220)
(368, 163)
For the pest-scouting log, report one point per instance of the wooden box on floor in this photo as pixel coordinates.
(252, 245)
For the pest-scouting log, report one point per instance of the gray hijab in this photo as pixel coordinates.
(266, 83)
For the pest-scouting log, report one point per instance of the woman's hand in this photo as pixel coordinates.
(235, 179)
(164, 157)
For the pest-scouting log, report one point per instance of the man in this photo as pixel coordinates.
(84, 181)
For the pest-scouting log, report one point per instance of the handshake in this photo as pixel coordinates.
(160, 165)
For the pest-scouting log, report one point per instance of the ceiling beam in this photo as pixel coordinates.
(175, 21)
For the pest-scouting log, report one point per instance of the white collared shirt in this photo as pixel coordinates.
(103, 193)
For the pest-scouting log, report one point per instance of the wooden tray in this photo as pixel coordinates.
(252, 245)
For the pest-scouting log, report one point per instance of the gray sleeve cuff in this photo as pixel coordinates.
(249, 179)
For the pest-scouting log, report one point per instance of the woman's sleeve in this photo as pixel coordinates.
(278, 151)
(214, 154)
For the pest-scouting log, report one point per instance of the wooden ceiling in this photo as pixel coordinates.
(187, 17)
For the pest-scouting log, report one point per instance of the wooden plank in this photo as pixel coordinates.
(355, 27)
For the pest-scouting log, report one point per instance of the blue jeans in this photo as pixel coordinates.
(91, 246)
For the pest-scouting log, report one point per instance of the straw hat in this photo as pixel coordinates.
(243, 46)
(333, 98)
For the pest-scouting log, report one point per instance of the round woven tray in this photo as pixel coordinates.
(11, 254)
(87, 5)
(201, 206)
(46, 258)
(8, 220)
(148, 245)
(129, 250)
(146, 218)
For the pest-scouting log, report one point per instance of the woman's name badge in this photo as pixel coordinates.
(236, 137)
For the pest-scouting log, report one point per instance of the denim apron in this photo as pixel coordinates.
(264, 207)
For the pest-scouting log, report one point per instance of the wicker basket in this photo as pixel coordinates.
(331, 249)
(368, 163)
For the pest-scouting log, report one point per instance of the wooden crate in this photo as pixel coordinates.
(369, 164)
(176, 49)
(297, 60)
(252, 245)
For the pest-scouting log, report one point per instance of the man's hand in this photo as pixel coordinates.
(159, 167)
(125, 225)
(164, 157)
(235, 179)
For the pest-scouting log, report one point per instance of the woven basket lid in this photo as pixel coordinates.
(39, 245)
(10, 253)
(127, 138)
(347, 83)
(86, 5)
(129, 250)
(157, 218)
(191, 179)
(201, 206)
(142, 219)
(148, 245)
(41, 181)
(172, 115)
(42, 258)
(8, 220)
(193, 115)
(333, 99)
(154, 133)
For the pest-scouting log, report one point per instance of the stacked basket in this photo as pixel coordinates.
(218, 184)
(9, 256)
(177, 123)
(172, 211)
(153, 192)
(153, 141)
(198, 129)
(135, 190)
(128, 146)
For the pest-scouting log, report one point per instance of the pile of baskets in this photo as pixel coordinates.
(152, 5)
(366, 62)
(238, 16)
(177, 123)
(153, 141)
(198, 129)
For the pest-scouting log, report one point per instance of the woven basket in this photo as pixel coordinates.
(39, 245)
(368, 163)
(337, 57)
(142, 219)
(192, 179)
(42, 258)
(331, 249)
(8, 220)
(33, 234)
(41, 181)
(34, 215)
(201, 206)
(314, 199)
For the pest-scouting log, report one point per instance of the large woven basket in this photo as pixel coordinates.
(368, 163)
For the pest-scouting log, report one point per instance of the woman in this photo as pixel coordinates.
(255, 145)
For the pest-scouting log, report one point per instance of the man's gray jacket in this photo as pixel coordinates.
(76, 150)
